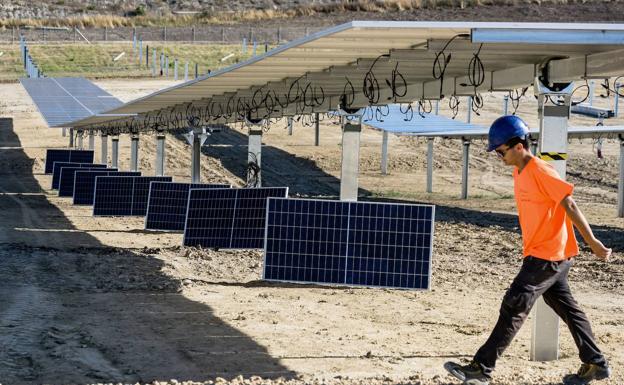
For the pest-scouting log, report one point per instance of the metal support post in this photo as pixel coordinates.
(317, 129)
(64, 132)
(533, 146)
(430, 165)
(290, 125)
(469, 110)
(255, 48)
(104, 149)
(592, 86)
(175, 69)
(437, 107)
(140, 52)
(154, 62)
(254, 155)
(166, 66)
(186, 71)
(115, 152)
(553, 124)
(79, 140)
(621, 180)
(244, 47)
(616, 107)
(350, 161)
(506, 105)
(160, 154)
(91, 140)
(466, 159)
(134, 153)
(71, 137)
(384, 153)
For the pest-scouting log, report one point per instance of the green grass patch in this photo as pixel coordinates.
(97, 60)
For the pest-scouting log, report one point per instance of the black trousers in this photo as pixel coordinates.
(550, 279)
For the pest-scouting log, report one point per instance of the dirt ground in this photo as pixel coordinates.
(99, 300)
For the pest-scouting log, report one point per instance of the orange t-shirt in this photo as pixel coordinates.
(547, 231)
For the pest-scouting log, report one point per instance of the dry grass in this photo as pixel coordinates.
(111, 21)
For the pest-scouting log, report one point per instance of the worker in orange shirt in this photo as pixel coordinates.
(546, 213)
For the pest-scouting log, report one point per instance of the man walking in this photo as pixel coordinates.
(546, 213)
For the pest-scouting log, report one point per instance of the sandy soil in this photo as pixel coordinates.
(100, 300)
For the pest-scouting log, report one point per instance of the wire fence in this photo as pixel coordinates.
(200, 34)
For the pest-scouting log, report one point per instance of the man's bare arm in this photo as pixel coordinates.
(577, 217)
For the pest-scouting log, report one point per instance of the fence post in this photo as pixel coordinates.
(255, 48)
(167, 66)
(196, 70)
(279, 34)
(193, 35)
(134, 40)
(175, 69)
(223, 34)
(186, 71)
(162, 63)
(153, 61)
(140, 52)
(147, 56)
(244, 49)
(250, 33)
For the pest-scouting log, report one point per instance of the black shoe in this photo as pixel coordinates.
(588, 373)
(471, 374)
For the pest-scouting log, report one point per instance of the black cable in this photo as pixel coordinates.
(370, 85)
(606, 85)
(477, 103)
(348, 95)
(409, 112)
(380, 114)
(392, 83)
(515, 97)
(441, 61)
(454, 105)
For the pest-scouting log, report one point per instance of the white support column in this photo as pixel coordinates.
(196, 159)
(71, 137)
(466, 159)
(79, 139)
(469, 110)
(616, 102)
(350, 161)
(384, 153)
(160, 154)
(104, 149)
(506, 105)
(553, 123)
(115, 152)
(621, 180)
(430, 165)
(134, 153)
(91, 140)
(290, 125)
(186, 71)
(254, 155)
(592, 87)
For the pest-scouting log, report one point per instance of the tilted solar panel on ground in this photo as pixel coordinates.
(56, 170)
(122, 195)
(60, 155)
(228, 218)
(67, 177)
(84, 184)
(63, 100)
(167, 202)
(349, 243)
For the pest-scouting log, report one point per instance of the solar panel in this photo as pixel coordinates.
(66, 179)
(84, 184)
(64, 100)
(166, 207)
(58, 155)
(56, 170)
(228, 218)
(349, 243)
(122, 195)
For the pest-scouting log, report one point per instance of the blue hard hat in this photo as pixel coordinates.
(505, 128)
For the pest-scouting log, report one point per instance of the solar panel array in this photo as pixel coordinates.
(167, 202)
(56, 173)
(64, 100)
(84, 183)
(349, 243)
(123, 195)
(58, 155)
(228, 218)
(67, 178)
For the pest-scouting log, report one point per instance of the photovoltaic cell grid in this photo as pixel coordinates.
(122, 195)
(64, 100)
(56, 170)
(67, 177)
(84, 184)
(349, 243)
(167, 202)
(58, 155)
(228, 218)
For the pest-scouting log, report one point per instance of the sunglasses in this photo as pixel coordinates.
(510, 144)
(502, 153)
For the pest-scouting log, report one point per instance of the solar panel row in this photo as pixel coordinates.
(228, 218)
(84, 184)
(56, 173)
(349, 243)
(167, 202)
(67, 178)
(64, 155)
(123, 195)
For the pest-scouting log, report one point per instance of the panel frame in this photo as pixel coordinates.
(430, 256)
(133, 191)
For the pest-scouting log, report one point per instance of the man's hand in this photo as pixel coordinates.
(599, 249)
